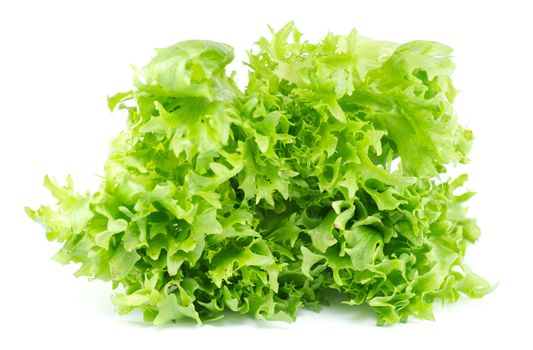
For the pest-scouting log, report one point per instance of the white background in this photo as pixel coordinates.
(59, 61)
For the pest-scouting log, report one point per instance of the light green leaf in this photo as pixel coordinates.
(323, 172)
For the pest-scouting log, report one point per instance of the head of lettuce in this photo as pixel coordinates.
(325, 173)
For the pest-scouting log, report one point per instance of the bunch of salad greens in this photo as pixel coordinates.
(325, 173)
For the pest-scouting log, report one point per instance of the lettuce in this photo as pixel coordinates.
(326, 173)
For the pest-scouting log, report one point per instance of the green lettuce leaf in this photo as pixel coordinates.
(325, 173)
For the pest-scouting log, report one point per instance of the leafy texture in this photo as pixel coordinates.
(324, 174)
